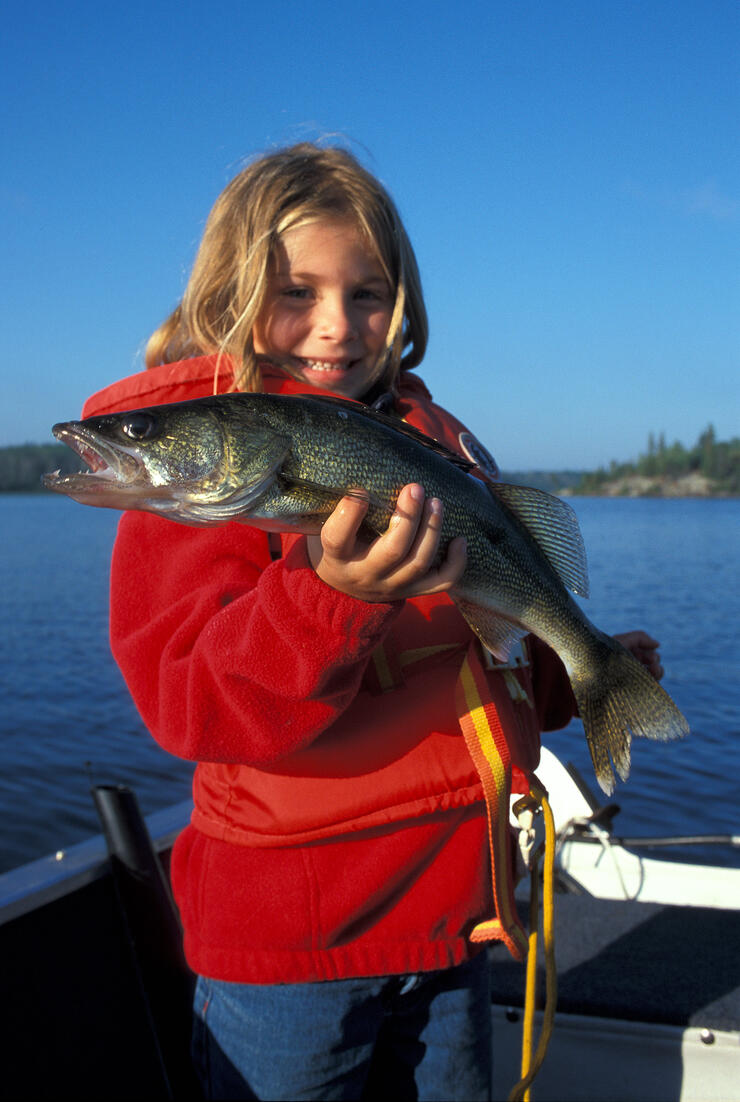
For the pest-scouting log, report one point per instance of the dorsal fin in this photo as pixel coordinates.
(396, 424)
(554, 526)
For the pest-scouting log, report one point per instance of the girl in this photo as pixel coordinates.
(337, 857)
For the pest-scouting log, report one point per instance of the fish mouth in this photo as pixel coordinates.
(110, 467)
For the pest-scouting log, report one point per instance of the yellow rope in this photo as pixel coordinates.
(529, 1066)
(530, 986)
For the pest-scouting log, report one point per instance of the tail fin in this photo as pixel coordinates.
(617, 698)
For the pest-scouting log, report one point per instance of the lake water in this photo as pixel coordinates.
(670, 566)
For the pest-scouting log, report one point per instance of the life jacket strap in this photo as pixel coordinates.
(487, 746)
(491, 756)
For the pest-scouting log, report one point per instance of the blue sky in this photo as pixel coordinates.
(568, 172)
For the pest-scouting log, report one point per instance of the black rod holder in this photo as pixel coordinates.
(154, 934)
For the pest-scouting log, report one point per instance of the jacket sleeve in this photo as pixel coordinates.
(554, 699)
(229, 656)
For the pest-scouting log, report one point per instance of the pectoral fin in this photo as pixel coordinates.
(496, 633)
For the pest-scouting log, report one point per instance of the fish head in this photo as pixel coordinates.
(176, 460)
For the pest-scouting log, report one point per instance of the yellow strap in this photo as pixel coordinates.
(486, 743)
(383, 671)
(389, 668)
(488, 748)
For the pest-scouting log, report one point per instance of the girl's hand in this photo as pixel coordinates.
(396, 565)
(645, 650)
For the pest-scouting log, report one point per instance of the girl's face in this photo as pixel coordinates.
(327, 308)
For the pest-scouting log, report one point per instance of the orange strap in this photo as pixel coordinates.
(488, 748)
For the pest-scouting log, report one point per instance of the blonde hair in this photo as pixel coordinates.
(227, 285)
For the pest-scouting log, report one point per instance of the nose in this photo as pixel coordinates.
(336, 319)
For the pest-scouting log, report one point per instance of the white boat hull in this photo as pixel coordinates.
(602, 1060)
(605, 869)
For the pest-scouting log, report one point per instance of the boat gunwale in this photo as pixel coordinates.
(48, 878)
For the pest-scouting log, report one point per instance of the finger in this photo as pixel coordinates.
(652, 662)
(637, 641)
(650, 659)
(424, 550)
(339, 532)
(408, 511)
(643, 640)
(397, 541)
(645, 650)
(443, 578)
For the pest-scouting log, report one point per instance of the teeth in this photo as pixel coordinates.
(323, 365)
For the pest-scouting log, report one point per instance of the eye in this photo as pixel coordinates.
(139, 426)
(372, 294)
(296, 292)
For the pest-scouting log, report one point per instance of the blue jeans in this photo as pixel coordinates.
(425, 1036)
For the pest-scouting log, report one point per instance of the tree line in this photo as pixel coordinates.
(718, 461)
(22, 465)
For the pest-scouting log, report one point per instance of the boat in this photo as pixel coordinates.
(98, 995)
(648, 962)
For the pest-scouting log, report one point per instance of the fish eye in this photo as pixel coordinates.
(139, 426)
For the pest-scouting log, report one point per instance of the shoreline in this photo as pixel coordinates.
(692, 485)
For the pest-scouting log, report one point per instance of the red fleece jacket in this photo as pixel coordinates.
(338, 826)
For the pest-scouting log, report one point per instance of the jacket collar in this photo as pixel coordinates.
(193, 378)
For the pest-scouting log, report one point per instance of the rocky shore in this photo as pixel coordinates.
(693, 484)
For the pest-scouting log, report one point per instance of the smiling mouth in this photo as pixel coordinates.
(326, 365)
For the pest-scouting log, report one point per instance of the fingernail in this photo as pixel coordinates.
(417, 492)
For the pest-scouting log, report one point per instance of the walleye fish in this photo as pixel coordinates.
(282, 463)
